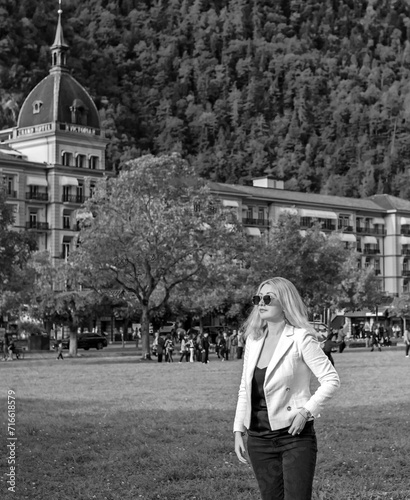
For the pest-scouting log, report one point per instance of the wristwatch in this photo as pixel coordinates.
(307, 413)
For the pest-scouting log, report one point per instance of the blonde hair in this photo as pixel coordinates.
(294, 309)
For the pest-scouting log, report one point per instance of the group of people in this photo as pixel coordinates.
(8, 349)
(196, 346)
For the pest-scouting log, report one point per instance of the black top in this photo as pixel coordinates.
(259, 415)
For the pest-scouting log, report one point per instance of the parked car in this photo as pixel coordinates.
(321, 329)
(167, 327)
(86, 340)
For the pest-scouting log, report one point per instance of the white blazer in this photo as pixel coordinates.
(287, 380)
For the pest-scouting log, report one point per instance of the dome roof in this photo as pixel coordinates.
(59, 98)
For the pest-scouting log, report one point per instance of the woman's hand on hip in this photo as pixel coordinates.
(298, 424)
(240, 447)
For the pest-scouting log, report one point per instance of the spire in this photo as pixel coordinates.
(59, 47)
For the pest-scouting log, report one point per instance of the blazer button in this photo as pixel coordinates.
(289, 408)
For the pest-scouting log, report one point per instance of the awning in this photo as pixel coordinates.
(370, 240)
(378, 220)
(33, 180)
(405, 240)
(252, 231)
(348, 237)
(69, 181)
(244, 207)
(405, 221)
(230, 203)
(318, 214)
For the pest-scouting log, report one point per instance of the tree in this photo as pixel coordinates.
(58, 297)
(155, 226)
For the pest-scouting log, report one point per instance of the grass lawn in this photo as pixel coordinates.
(119, 428)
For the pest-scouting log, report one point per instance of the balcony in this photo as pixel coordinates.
(74, 198)
(37, 196)
(405, 251)
(346, 229)
(325, 226)
(255, 222)
(371, 230)
(11, 194)
(405, 272)
(40, 226)
(371, 251)
(377, 272)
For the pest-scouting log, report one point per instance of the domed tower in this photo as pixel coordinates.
(61, 149)
(58, 122)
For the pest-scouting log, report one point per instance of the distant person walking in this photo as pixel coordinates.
(184, 349)
(205, 344)
(60, 350)
(241, 345)
(374, 340)
(169, 348)
(160, 346)
(406, 338)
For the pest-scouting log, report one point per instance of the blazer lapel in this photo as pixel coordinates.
(254, 355)
(283, 346)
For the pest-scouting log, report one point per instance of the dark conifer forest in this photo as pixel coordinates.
(316, 93)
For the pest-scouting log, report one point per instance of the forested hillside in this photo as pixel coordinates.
(314, 92)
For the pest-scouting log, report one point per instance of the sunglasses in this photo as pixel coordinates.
(266, 299)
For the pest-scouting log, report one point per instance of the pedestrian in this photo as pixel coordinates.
(241, 345)
(184, 349)
(198, 347)
(60, 350)
(224, 347)
(218, 344)
(374, 340)
(191, 345)
(406, 338)
(329, 344)
(205, 344)
(160, 346)
(234, 344)
(169, 348)
(11, 349)
(137, 336)
(341, 335)
(275, 406)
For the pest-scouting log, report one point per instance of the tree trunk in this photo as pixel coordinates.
(73, 341)
(145, 341)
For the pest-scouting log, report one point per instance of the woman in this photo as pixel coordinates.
(275, 406)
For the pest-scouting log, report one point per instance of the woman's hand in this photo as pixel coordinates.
(298, 424)
(240, 447)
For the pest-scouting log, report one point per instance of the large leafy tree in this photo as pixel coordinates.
(155, 226)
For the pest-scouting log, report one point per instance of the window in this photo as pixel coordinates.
(66, 250)
(406, 286)
(249, 213)
(92, 190)
(93, 162)
(66, 221)
(8, 181)
(67, 158)
(261, 214)
(80, 192)
(32, 219)
(80, 161)
(344, 221)
(37, 107)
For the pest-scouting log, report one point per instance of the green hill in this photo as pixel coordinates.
(313, 92)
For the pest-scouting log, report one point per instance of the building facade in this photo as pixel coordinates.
(51, 161)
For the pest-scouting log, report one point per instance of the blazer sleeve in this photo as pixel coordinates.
(324, 371)
(242, 398)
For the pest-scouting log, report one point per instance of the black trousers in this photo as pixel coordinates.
(284, 465)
